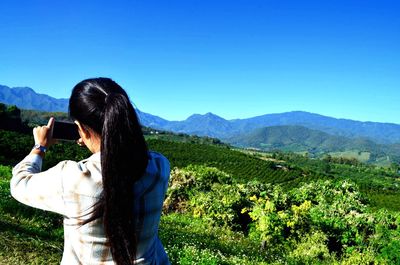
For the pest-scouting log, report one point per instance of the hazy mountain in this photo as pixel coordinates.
(380, 132)
(214, 126)
(299, 138)
(27, 98)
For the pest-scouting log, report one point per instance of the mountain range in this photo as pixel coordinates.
(212, 125)
(27, 98)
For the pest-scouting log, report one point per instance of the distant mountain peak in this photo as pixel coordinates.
(24, 89)
(208, 115)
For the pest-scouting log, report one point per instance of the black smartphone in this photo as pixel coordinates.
(65, 131)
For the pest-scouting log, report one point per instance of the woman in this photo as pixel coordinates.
(112, 201)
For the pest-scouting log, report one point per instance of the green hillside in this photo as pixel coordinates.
(285, 138)
(287, 169)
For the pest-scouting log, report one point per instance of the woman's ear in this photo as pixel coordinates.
(82, 131)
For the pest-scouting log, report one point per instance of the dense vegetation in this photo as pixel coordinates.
(228, 206)
(150, 133)
(320, 222)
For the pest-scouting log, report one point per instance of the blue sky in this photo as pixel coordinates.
(235, 58)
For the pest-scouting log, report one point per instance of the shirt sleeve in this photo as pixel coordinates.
(43, 190)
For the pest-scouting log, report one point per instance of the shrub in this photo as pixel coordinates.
(224, 204)
(5, 172)
(190, 180)
(210, 193)
(312, 249)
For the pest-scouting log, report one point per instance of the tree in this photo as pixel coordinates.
(13, 112)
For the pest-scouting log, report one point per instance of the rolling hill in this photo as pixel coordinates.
(302, 139)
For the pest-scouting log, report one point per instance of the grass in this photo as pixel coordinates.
(190, 240)
(17, 247)
(27, 235)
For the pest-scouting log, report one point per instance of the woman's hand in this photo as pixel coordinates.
(43, 135)
(80, 142)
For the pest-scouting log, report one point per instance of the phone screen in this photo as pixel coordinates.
(65, 131)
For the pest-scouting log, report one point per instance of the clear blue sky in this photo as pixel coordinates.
(236, 58)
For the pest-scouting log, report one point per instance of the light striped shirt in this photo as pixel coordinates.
(72, 188)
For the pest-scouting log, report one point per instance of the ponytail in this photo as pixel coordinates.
(123, 161)
(124, 158)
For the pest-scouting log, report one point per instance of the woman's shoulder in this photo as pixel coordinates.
(160, 160)
(157, 155)
(158, 165)
(83, 166)
(156, 175)
(83, 177)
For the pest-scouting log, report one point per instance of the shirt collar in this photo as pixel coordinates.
(95, 157)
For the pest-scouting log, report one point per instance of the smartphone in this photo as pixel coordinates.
(63, 130)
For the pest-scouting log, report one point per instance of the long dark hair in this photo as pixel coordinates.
(103, 106)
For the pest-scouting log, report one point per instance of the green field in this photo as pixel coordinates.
(231, 202)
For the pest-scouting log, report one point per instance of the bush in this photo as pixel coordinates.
(312, 249)
(190, 180)
(210, 193)
(223, 205)
(5, 172)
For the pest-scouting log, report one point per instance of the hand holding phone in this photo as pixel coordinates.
(42, 135)
(65, 131)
